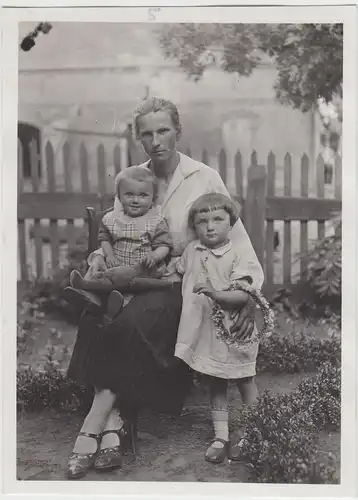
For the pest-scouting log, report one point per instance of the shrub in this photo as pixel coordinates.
(46, 293)
(47, 389)
(297, 352)
(281, 430)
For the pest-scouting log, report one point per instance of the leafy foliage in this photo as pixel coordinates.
(308, 57)
(298, 352)
(281, 430)
(37, 390)
(45, 294)
(318, 292)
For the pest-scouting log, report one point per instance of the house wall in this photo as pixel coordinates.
(89, 77)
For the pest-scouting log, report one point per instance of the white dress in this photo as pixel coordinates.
(198, 344)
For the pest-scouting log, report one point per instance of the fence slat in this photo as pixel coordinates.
(304, 224)
(205, 157)
(70, 229)
(320, 191)
(239, 178)
(66, 152)
(84, 169)
(38, 248)
(20, 166)
(255, 209)
(254, 157)
(287, 247)
(338, 178)
(223, 165)
(53, 232)
(34, 161)
(22, 250)
(117, 158)
(50, 165)
(54, 242)
(271, 175)
(101, 169)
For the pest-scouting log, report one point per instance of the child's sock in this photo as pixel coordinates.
(221, 424)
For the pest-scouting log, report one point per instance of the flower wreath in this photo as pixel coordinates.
(218, 314)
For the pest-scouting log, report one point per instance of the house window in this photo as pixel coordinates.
(27, 133)
(328, 173)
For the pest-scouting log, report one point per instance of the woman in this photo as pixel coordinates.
(131, 362)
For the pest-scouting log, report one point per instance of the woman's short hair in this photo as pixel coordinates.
(214, 201)
(137, 173)
(154, 104)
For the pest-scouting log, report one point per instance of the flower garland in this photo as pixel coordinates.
(230, 339)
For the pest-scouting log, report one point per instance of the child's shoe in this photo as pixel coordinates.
(235, 452)
(82, 300)
(76, 280)
(114, 306)
(217, 455)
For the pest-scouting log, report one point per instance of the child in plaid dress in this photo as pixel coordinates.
(134, 238)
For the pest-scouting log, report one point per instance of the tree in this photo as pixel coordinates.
(308, 57)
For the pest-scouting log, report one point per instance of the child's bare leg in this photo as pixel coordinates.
(248, 390)
(219, 411)
(249, 395)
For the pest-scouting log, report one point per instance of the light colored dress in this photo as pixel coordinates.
(198, 344)
(192, 179)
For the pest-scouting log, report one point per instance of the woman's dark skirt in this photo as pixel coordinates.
(134, 356)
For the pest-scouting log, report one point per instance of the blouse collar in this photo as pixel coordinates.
(219, 252)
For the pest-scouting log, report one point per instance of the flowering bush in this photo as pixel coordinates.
(281, 430)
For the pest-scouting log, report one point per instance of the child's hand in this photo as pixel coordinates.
(148, 261)
(112, 261)
(205, 288)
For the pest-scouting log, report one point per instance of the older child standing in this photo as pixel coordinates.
(211, 266)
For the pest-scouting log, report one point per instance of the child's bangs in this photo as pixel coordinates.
(214, 201)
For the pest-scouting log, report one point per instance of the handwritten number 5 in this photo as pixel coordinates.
(152, 11)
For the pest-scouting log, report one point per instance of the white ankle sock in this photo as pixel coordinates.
(221, 424)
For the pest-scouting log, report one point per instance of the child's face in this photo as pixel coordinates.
(212, 228)
(136, 196)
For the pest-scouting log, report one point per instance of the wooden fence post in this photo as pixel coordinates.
(255, 209)
(223, 165)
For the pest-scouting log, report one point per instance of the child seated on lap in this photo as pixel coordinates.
(134, 238)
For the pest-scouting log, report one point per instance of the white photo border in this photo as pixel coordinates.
(9, 61)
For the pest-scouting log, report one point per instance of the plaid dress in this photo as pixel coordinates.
(132, 238)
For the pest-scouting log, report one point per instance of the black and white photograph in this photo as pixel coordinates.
(179, 249)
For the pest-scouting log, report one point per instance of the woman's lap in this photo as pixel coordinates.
(134, 357)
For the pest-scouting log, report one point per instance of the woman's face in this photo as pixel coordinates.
(158, 135)
(212, 227)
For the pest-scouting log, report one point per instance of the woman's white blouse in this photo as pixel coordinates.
(192, 179)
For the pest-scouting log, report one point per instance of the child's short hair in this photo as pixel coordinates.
(214, 201)
(137, 173)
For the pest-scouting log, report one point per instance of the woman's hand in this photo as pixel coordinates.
(244, 320)
(205, 289)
